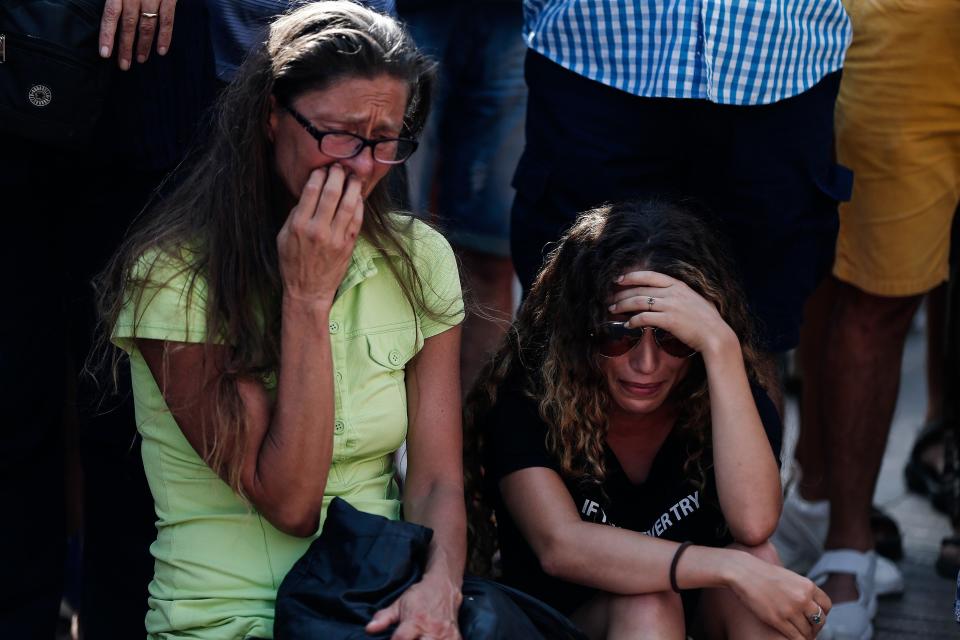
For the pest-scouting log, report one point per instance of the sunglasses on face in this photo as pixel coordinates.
(614, 339)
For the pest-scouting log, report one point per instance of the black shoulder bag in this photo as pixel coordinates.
(53, 82)
(363, 562)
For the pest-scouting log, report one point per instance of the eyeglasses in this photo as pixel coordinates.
(343, 144)
(614, 339)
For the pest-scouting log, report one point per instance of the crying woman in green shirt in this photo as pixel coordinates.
(287, 331)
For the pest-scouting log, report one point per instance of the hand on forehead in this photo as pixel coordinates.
(639, 284)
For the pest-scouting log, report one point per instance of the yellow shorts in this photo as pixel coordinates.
(898, 128)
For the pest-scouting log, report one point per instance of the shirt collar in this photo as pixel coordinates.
(363, 263)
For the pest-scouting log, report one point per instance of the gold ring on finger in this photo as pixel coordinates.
(650, 301)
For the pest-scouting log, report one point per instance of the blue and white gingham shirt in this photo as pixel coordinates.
(726, 51)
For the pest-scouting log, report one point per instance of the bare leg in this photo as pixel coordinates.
(489, 279)
(936, 347)
(861, 376)
(722, 615)
(936, 326)
(810, 444)
(657, 616)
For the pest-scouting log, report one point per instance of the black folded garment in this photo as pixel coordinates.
(361, 563)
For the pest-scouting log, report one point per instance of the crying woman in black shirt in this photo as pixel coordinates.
(627, 446)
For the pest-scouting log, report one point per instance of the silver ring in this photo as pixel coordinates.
(816, 618)
(148, 15)
(650, 301)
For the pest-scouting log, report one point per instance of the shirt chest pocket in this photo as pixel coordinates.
(384, 396)
(392, 350)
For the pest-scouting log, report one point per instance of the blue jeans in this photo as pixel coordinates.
(474, 137)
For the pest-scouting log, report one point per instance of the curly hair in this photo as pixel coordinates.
(549, 348)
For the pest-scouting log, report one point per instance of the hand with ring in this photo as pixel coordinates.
(657, 300)
(139, 20)
(789, 603)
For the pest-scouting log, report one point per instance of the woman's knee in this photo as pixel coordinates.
(764, 551)
(659, 610)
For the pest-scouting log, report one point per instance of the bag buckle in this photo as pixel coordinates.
(3, 48)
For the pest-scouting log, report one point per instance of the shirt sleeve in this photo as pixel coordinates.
(437, 267)
(514, 434)
(165, 300)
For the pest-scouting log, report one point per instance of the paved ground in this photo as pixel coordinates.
(926, 608)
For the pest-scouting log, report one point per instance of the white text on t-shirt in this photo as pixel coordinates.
(683, 508)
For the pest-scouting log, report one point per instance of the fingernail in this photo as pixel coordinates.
(611, 307)
(104, 51)
(162, 51)
(141, 58)
(619, 278)
(124, 64)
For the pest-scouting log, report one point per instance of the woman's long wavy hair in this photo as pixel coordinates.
(230, 205)
(550, 352)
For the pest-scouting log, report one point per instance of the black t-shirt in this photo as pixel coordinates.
(668, 504)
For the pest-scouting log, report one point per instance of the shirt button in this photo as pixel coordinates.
(339, 377)
(338, 427)
(334, 326)
(394, 357)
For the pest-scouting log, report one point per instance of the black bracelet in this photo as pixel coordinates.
(673, 565)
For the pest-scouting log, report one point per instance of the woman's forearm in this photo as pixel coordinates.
(624, 562)
(747, 477)
(433, 492)
(621, 561)
(442, 510)
(287, 479)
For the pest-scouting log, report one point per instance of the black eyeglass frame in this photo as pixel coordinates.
(618, 330)
(319, 135)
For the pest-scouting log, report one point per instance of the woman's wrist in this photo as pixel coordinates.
(315, 310)
(731, 566)
(722, 343)
(444, 578)
(443, 581)
(709, 567)
(439, 568)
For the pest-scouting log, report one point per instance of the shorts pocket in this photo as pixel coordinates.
(835, 182)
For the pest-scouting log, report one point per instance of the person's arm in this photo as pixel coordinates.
(620, 561)
(745, 469)
(748, 481)
(433, 493)
(286, 452)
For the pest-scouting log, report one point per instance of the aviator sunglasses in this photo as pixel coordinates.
(614, 339)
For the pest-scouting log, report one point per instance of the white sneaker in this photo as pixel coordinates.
(849, 620)
(803, 528)
(799, 541)
(888, 580)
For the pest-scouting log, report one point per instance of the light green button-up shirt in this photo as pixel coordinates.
(219, 562)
